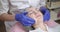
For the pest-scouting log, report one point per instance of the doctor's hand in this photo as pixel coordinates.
(24, 19)
(46, 13)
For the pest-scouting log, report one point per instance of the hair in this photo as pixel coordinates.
(57, 21)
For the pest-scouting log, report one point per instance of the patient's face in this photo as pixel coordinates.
(36, 15)
(34, 12)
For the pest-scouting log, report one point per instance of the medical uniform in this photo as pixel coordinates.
(17, 6)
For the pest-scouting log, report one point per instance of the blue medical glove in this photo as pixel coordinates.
(24, 19)
(46, 13)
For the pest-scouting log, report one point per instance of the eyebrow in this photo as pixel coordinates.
(32, 12)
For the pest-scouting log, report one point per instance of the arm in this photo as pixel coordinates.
(4, 7)
(7, 17)
(21, 17)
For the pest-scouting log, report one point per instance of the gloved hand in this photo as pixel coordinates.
(46, 13)
(24, 19)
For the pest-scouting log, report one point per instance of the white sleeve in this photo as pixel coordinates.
(4, 6)
(43, 2)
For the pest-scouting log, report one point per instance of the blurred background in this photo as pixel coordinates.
(54, 7)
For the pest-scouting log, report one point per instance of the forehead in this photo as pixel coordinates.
(33, 12)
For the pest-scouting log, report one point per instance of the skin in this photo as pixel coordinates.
(7, 17)
(38, 17)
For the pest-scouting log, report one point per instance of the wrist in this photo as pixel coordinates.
(17, 17)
